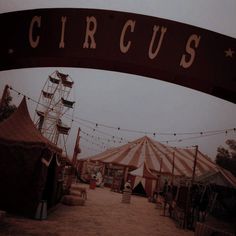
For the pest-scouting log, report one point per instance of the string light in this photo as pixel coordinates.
(92, 149)
(97, 125)
(160, 133)
(145, 132)
(93, 143)
(99, 131)
(93, 136)
(194, 137)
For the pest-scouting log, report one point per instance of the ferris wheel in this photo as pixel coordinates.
(55, 109)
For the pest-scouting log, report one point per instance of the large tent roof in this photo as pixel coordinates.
(19, 129)
(157, 156)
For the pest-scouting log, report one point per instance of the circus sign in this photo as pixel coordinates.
(157, 48)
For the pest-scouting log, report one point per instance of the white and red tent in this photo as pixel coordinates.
(158, 157)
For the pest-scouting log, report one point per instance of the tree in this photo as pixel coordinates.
(6, 108)
(232, 146)
(226, 158)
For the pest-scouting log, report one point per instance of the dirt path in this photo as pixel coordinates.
(102, 215)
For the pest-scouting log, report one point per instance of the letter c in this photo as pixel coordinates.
(124, 48)
(34, 42)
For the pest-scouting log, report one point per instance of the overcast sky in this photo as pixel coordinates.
(131, 101)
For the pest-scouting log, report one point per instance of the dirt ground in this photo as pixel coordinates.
(102, 215)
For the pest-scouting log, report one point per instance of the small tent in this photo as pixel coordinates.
(221, 177)
(28, 165)
(144, 178)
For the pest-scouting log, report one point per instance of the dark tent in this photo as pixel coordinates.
(28, 165)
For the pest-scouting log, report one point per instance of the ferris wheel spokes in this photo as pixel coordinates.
(54, 104)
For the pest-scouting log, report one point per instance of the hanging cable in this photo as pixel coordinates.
(97, 125)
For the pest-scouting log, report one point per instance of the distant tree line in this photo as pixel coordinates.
(226, 158)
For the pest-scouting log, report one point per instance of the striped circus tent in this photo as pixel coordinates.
(158, 158)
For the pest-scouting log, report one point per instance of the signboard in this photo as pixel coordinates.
(149, 46)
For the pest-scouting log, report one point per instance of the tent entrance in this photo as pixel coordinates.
(50, 185)
(139, 190)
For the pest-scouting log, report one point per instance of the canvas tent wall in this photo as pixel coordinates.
(28, 165)
(144, 177)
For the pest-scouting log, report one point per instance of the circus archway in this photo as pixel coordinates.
(117, 41)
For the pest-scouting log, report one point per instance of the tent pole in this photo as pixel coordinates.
(76, 148)
(173, 169)
(74, 159)
(126, 170)
(159, 179)
(194, 164)
(189, 190)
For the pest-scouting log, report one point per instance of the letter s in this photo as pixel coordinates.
(196, 40)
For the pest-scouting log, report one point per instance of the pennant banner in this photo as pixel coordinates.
(149, 46)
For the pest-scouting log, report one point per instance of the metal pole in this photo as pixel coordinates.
(74, 160)
(76, 148)
(125, 173)
(173, 169)
(159, 179)
(194, 164)
(160, 165)
(189, 189)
